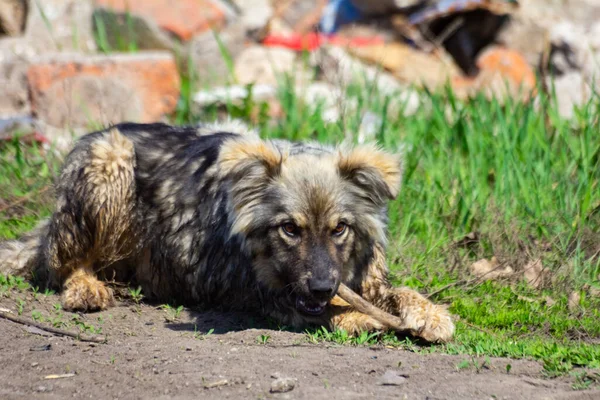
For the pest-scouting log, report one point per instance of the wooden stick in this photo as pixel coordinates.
(391, 321)
(79, 336)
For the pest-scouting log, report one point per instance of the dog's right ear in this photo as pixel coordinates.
(249, 159)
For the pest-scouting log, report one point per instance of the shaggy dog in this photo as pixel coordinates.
(215, 216)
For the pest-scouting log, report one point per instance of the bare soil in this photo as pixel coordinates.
(149, 354)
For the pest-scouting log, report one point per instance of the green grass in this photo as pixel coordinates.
(519, 177)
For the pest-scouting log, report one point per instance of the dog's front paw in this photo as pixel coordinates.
(424, 319)
(86, 293)
(438, 326)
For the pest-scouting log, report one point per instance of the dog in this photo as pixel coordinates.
(216, 216)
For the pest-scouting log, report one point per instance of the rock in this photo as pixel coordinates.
(70, 90)
(183, 18)
(490, 270)
(13, 81)
(502, 73)
(301, 16)
(121, 30)
(340, 69)
(392, 378)
(283, 385)
(186, 31)
(264, 65)
(52, 25)
(534, 273)
(408, 64)
(43, 388)
(255, 15)
(13, 14)
(209, 55)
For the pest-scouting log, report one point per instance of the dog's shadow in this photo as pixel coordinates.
(220, 322)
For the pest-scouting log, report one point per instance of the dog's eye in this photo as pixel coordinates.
(340, 229)
(290, 229)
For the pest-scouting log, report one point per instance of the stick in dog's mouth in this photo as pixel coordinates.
(387, 319)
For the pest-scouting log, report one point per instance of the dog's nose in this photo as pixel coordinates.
(321, 288)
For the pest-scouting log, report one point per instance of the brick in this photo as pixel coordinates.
(71, 90)
(502, 72)
(182, 18)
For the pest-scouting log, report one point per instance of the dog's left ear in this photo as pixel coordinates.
(376, 172)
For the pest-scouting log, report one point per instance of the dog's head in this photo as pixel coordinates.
(309, 216)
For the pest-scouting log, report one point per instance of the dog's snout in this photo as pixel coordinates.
(321, 288)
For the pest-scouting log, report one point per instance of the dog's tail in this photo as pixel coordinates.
(20, 257)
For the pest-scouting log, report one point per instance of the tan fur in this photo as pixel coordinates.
(386, 165)
(109, 176)
(83, 291)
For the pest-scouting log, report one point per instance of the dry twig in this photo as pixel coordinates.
(369, 309)
(61, 332)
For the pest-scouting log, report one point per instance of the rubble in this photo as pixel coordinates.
(266, 65)
(182, 18)
(228, 48)
(70, 90)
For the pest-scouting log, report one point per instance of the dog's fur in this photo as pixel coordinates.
(218, 217)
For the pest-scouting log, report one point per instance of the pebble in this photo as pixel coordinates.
(391, 378)
(43, 389)
(283, 385)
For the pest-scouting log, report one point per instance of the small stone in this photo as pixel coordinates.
(43, 347)
(392, 378)
(43, 389)
(283, 385)
(34, 364)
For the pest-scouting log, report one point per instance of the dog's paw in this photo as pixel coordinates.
(86, 293)
(438, 326)
(422, 318)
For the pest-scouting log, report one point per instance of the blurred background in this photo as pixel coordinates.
(66, 65)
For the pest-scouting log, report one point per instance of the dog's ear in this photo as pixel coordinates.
(377, 173)
(250, 164)
(249, 159)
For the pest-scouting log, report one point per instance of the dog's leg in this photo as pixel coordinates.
(92, 227)
(427, 320)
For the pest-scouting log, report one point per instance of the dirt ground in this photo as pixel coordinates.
(148, 354)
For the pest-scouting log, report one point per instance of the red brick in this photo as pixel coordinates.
(76, 90)
(502, 72)
(183, 18)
